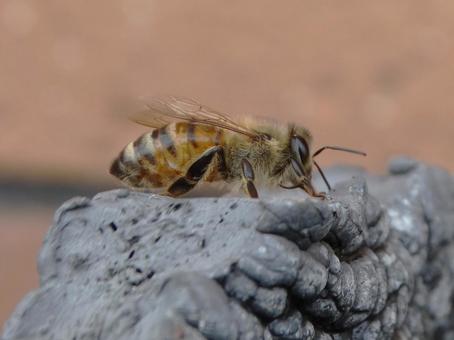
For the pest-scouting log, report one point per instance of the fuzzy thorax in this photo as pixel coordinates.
(270, 158)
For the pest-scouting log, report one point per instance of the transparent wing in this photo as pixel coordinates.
(150, 119)
(163, 112)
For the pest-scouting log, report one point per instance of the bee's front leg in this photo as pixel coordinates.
(312, 192)
(321, 195)
(247, 176)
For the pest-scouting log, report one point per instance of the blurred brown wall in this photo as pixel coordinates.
(375, 75)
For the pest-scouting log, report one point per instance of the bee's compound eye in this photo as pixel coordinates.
(300, 149)
(297, 168)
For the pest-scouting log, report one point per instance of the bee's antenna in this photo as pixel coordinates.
(338, 148)
(323, 175)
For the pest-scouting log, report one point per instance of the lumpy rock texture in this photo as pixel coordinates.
(374, 261)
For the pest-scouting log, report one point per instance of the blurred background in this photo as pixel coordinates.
(374, 75)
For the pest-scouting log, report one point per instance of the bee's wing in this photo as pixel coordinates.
(150, 119)
(163, 112)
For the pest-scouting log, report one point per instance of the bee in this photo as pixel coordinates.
(191, 143)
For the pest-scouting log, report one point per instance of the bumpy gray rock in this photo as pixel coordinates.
(374, 261)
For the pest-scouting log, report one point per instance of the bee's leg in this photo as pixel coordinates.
(247, 175)
(194, 174)
(314, 193)
(321, 195)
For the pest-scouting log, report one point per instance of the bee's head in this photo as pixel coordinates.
(300, 141)
(300, 155)
(301, 159)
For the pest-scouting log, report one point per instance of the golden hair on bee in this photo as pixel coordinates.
(190, 142)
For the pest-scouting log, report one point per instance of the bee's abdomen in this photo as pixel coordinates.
(158, 158)
(136, 162)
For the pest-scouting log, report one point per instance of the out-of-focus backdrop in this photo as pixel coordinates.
(375, 75)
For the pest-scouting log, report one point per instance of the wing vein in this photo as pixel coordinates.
(162, 112)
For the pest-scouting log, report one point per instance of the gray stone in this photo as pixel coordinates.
(374, 261)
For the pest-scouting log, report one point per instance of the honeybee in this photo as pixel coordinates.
(190, 143)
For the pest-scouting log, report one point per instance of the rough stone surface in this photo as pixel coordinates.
(374, 261)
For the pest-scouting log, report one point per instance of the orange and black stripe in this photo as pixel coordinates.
(159, 158)
(162, 134)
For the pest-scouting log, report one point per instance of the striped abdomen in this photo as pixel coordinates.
(158, 158)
